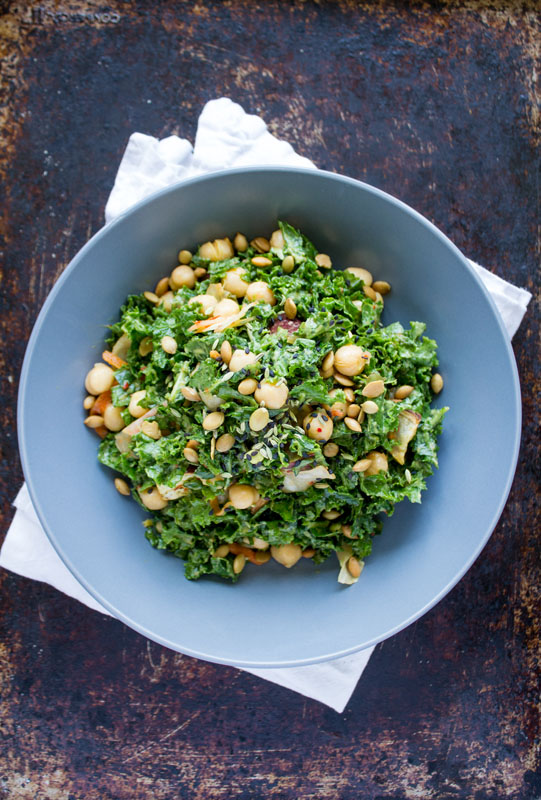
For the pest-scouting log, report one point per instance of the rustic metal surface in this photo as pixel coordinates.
(435, 104)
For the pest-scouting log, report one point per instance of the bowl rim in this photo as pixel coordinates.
(42, 317)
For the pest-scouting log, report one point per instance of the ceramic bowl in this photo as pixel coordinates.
(273, 617)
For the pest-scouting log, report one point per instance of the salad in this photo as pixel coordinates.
(257, 406)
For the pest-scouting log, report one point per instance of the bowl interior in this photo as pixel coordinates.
(272, 617)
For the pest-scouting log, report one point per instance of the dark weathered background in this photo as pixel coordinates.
(435, 104)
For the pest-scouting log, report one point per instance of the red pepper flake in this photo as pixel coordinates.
(319, 430)
(126, 385)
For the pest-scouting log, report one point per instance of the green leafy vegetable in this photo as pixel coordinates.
(312, 480)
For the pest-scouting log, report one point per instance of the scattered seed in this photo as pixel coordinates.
(354, 567)
(260, 244)
(261, 261)
(247, 386)
(352, 424)
(369, 407)
(213, 420)
(225, 442)
(343, 380)
(347, 530)
(407, 473)
(290, 308)
(330, 450)
(382, 287)
(221, 552)
(259, 419)
(333, 514)
(191, 455)
(226, 351)
(94, 421)
(214, 354)
(189, 394)
(323, 261)
(373, 389)
(328, 361)
(436, 383)
(169, 345)
(122, 487)
(362, 465)
(239, 563)
(402, 392)
(88, 402)
(369, 292)
(288, 264)
(353, 410)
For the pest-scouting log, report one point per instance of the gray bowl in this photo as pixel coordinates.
(273, 617)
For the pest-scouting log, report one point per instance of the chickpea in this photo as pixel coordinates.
(338, 409)
(162, 287)
(234, 283)
(350, 359)
(152, 499)
(260, 292)
(99, 379)
(362, 274)
(273, 395)
(206, 301)
(247, 386)
(242, 496)
(226, 308)
(151, 429)
(182, 276)
(218, 250)
(166, 300)
(241, 243)
(112, 418)
(286, 554)
(330, 450)
(240, 359)
(277, 240)
(184, 257)
(146, 346)
(379, 463)
(318, 425)
(134, 408)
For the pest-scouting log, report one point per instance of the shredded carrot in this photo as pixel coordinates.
(246, 551)
(114, 361)
(102, 431)
(102, 401)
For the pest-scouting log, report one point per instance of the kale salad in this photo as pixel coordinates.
(256, 405)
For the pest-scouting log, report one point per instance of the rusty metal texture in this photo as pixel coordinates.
(435, 103)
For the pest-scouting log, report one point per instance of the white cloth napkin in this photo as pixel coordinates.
(226, 137)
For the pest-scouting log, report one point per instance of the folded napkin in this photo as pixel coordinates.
(226, 137)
